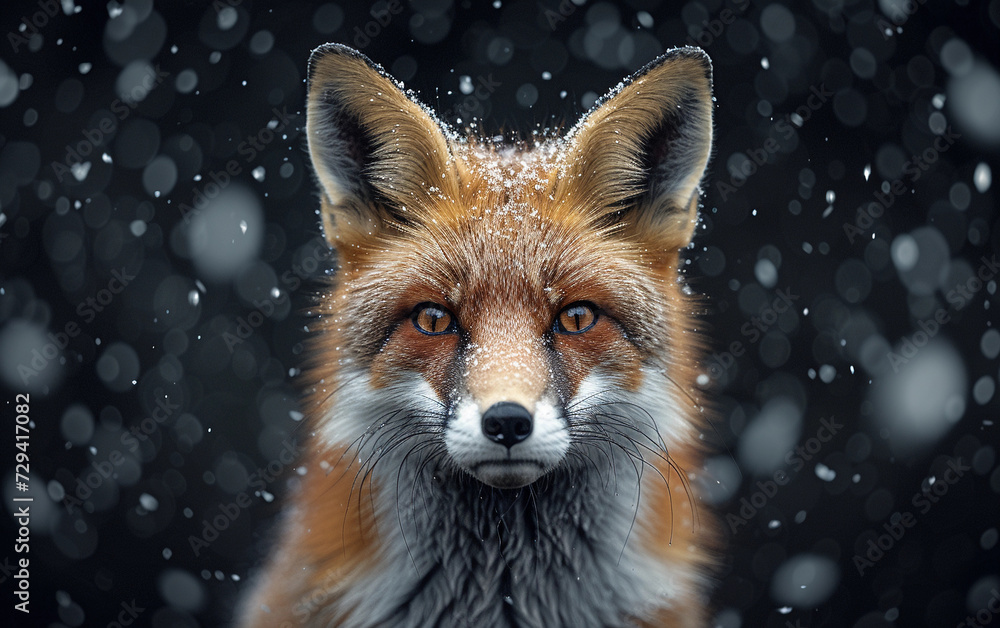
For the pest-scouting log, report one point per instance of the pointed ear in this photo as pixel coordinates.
(378, 154)
(638, 156)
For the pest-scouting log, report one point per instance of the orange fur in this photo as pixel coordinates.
(322, 546)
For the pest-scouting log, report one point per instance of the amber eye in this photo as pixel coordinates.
(432, 319)
(576, 318)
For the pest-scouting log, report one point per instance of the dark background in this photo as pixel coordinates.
(73, 80)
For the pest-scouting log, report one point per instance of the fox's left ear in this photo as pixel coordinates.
(381, 158)
(639, 155)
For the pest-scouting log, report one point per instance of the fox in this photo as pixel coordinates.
(502, 415)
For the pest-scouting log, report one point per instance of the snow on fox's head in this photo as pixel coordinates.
(491, 300)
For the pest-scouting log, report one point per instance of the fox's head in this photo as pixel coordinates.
(501, 311)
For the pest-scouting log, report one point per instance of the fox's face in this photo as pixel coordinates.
(505, 322)
(500, 311)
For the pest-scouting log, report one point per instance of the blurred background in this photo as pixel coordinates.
(159, 246)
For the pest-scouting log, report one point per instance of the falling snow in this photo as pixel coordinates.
(152, 210)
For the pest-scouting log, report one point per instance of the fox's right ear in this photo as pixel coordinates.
(380, 157)
(639, 155)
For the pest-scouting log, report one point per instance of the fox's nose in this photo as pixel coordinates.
(507, 423)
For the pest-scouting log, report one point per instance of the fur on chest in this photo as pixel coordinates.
(566, 552)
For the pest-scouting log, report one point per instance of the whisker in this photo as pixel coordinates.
(701, 410)
(399, 516)
(600, 417)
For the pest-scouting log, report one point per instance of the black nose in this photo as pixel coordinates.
(507, 423)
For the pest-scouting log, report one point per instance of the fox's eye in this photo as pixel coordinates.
(432, 319)
(576, 318)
